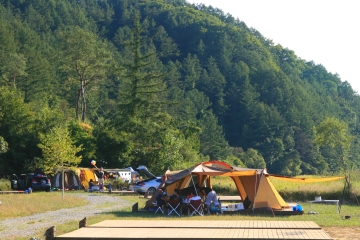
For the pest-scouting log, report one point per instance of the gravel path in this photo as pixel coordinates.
(28, 226)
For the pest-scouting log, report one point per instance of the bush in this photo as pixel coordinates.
(5, 184)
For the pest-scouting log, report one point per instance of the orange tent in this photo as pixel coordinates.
(254, 185)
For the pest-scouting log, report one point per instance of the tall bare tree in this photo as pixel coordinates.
(86, 59)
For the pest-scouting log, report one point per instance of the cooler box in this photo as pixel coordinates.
(232, 207)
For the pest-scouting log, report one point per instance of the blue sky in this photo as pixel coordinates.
(323, 31)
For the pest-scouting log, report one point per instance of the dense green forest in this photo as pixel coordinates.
(162, 83)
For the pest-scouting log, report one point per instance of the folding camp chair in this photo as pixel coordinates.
(174, 207)
(196, 207)
(160, 208)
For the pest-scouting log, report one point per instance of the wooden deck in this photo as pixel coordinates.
(182, 229)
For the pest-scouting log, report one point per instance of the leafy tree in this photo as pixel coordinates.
(143, 90)
(58, 150)
(81, 134)
(85, 60)
(212, 83)
(333, 134)
(288, 164)
(191, 72)
(312, 161)
(252, 159)
(16, 125)
(3, 149)
(213, 143)
(8, 43)
(15, 66)
(3, 145)
(112, 145)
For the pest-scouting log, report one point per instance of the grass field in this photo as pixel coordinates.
(20, 205)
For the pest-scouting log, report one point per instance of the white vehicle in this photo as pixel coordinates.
(127, 174)
(148, 185)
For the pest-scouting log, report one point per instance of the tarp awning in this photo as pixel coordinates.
(306, 180)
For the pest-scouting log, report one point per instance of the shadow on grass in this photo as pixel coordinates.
(140, 215)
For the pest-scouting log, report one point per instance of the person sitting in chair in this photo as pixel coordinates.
(194, 196)
(176, 194)
(195, 204)
(91, 184)
(160, 199)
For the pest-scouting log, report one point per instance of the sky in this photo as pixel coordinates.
(323, 31)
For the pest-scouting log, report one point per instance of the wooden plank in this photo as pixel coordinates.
(176, 233)
(214, 224)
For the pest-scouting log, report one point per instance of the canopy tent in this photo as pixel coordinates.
(253, 185)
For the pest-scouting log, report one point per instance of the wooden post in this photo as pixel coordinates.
(50, 233)
(82, 223)
(135, 207)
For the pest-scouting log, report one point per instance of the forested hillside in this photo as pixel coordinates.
(162, 83)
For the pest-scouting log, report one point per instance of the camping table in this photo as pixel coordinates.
(325, 201)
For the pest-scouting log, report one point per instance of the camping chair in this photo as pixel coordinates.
(196, 207)
(160, 208)
(174, 207)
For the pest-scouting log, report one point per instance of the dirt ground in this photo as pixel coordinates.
(343, 233)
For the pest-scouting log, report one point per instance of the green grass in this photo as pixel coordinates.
(20, 205)
(5, 184)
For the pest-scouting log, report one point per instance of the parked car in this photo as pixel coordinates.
(147, 186)
(36, 181)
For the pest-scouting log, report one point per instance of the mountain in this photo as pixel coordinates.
(160, 83)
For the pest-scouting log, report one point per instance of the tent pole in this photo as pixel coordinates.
(254, 191)
(253, 207)
(193, 183)
(267, 197)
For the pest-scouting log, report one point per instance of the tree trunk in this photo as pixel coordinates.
(14, 80)
(77, 104)
(83, 102)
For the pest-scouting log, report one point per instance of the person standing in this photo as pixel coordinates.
(101, 176)
(210, 198)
